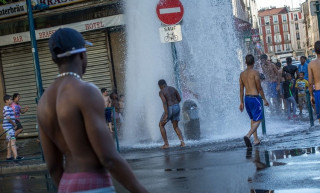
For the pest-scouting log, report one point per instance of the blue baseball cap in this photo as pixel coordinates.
(65, 42)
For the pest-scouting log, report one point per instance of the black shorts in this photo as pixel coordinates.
(19, 126)
(107, 114)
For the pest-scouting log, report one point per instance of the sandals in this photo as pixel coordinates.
(247, 141)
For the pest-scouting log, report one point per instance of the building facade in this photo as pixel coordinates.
(312, 29)
(245, 14)
(298, 33)
(100, 22)
(275, 32)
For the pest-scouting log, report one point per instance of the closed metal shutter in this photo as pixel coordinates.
(97, 72)
(19, 78)
(19, 74)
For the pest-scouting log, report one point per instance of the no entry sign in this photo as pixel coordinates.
(170, 12)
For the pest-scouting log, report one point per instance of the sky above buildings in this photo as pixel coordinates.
(279, 3)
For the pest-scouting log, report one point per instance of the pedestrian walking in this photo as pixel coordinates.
(250, 81)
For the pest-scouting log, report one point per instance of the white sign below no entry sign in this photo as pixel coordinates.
(170, 33)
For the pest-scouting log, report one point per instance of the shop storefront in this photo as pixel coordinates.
(105, 57)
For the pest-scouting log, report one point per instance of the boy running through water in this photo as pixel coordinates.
(301, 85)
(288, 96)
(9, 126)
(250, 80)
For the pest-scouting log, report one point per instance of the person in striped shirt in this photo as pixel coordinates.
(9, 126)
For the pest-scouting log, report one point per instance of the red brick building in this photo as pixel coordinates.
(275, 32)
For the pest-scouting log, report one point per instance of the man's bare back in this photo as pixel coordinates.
(56, 111)
(171, 95)
(271, 72)
(314, 73)
(249, 79)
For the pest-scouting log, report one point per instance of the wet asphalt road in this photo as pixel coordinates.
(284, 163)
(287, 162)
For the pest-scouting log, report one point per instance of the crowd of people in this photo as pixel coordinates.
(285, 86)
(289, 84)
(11, 124)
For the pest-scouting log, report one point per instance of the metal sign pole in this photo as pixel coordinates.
(35, 57)
(318, 15)
(176, 67)
(115, 128)
(309, 108)
(263, 121)
(34, 50)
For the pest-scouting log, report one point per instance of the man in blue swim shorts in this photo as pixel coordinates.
(170, 99)
(314, 79)
(250, 80)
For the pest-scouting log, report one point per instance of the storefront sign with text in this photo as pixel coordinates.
(13, 9)
(56, 3)
(46, 33)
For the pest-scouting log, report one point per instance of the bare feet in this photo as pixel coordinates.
(165, 146)
(182, 144)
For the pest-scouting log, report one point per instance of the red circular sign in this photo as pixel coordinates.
(170, 12)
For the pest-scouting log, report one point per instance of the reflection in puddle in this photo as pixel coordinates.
(265, 159)
(271, 157)
(283, 154)
(287, 191)
(35, 181)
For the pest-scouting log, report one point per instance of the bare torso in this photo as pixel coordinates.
(61, 120)
(248, 79)
(314, 68)
(171, 95)
(270, 72)
(107, 101)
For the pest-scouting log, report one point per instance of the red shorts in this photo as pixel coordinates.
(75, 182)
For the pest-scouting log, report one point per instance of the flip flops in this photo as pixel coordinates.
(256, 144)
(247, 141)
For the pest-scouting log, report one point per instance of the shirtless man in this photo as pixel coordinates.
(107, 104)
(273, 83)
(170, 100)
(250, 80)
(280, 91)
(78, 150)
(314, 79)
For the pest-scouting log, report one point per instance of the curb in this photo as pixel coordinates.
(24, 168)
